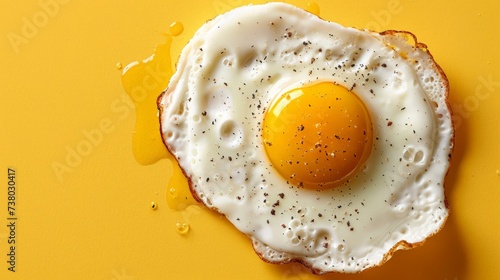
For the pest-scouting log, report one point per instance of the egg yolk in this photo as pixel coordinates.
(317, 136)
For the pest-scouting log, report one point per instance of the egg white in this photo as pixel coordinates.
(212, 115)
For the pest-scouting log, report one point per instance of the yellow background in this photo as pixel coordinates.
(95, 222)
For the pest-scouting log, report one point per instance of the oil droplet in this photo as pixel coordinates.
(154, 206)
(498, 172)
(176, 28)
(119, 66)
(173, 192)
(144, 81)
(182, 228)
(178, 194)
(313, 8)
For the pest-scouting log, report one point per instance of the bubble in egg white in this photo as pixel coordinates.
(413, 155)
(228, 61)
(231, 134)
(196, 118)
(174, 119)
(341, 248)
(428, 195)
(418, 178)
(294, 224)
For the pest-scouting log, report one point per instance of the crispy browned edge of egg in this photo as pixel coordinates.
(401, 245)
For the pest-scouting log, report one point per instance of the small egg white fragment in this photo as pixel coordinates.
(212, 114)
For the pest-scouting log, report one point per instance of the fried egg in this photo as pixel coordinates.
(323, 144)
